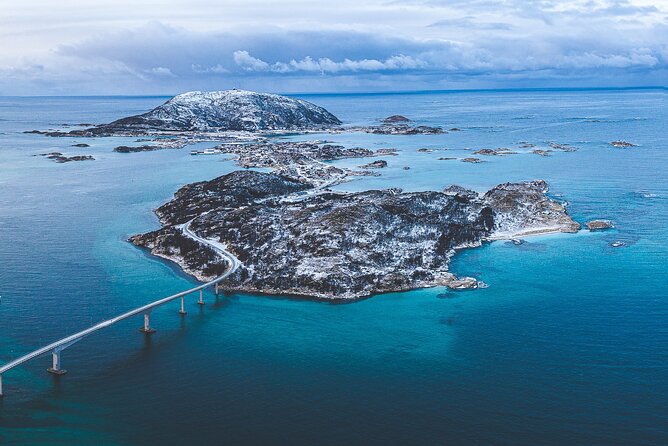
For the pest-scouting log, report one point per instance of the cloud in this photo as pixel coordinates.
(162, 50)
(408, 44)
(637, 58)
(326, 65)
(248, 62)
(470, 23)
(161, 71)
(218, 68)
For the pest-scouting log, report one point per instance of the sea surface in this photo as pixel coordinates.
(567, 345)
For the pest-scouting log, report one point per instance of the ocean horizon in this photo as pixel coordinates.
(379, 92)
(567, 344)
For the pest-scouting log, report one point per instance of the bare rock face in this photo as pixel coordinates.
(331, 245)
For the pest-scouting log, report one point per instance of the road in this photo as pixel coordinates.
(61, 344)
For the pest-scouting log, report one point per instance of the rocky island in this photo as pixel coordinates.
(599, 225)
(622, 144)
(395, 119)
(60, 158)
(295, 239)
(217, 111)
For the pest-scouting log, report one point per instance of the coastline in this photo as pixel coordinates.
(163, 244)
(296, 294)
(556, 300)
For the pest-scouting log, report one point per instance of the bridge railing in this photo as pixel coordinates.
(58, 346)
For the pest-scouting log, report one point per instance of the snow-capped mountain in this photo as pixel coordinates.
(238, 110)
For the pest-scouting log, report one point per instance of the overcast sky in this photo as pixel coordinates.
(166, 47)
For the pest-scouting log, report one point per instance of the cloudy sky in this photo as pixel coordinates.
(166, 47)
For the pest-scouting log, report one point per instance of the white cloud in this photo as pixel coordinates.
(327, 65)
(161, 71)
(636, 58)
(248, 62)
(406, 44)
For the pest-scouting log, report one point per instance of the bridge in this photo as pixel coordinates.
(55, 348)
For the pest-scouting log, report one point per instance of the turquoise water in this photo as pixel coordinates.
(568, 345)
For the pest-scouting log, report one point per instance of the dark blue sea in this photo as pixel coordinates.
(567, 346)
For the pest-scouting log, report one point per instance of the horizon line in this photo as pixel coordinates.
(360, 93)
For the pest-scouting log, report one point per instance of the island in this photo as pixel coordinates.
(599, 225)
(60, 158)
(296, 239)
(229, 110)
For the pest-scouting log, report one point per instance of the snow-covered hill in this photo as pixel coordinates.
(228, 110)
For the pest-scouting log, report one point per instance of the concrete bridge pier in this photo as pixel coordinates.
(147, 324)
(55, 368)
(1, 394)
(183, 311)
(201, 300)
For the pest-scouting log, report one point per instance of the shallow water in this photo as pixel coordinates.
(569, 344)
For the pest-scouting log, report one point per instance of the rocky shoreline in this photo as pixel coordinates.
(294, 239)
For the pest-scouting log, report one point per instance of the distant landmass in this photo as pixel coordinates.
(237, 110)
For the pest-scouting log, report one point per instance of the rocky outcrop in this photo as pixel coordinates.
(599, 225)
(302, 161)
(134, 149)
(494, 152)
(378, 164)
(300, 241)
(395, 119)
(460, 191)
(622, 144)
(60, 158)
(403, 129)
(522, 209)
(562, 147)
